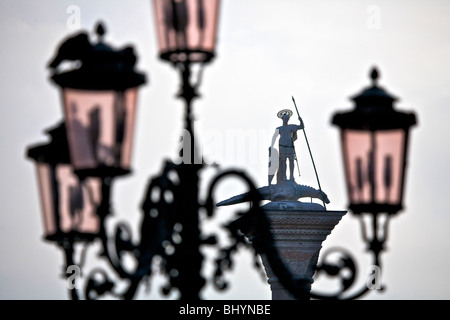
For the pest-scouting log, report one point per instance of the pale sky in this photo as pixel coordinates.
(320, 52)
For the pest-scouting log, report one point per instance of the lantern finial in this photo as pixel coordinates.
(374, 75)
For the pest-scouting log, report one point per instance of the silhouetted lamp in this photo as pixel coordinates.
(99, 91)
(68, 204)
(186, 29)
(374, 145)
(374, 139)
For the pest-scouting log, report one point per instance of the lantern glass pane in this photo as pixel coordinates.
(44, 175)
(356, 145)
(67, 205)
(100, 127)
(77, 202)
(374, 163)
(389, 160)
(186, 25)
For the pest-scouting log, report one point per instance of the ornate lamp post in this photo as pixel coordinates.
(187, 35)
(374, 139)
(99, 98)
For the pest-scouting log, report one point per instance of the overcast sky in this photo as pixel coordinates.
(320, 52)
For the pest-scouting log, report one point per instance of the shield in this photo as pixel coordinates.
(273, 163)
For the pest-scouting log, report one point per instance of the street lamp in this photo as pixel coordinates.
(68, 204)
(186, 32)
(186, 29)
(90, 147)
(99, 98)
(187, 36)
(374, 140)
(374, 145)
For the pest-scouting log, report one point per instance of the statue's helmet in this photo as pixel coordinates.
(283, 112)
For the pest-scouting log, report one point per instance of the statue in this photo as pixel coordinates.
(286, 150)
(299, 228)
(286, 192)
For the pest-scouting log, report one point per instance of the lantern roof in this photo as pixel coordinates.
(374, 110)
(95, 66)
(374, 93)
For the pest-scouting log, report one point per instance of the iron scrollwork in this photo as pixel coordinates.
(167, 232)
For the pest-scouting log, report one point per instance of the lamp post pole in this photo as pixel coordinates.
(189, 280)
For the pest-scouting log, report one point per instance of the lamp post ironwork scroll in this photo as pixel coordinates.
(374, 139)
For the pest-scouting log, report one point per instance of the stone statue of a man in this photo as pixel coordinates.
(288, 134)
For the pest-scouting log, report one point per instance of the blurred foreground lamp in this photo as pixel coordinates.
(374, 145)
(68, 204)
(186, 29)
(99, 92)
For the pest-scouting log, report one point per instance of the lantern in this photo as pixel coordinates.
(375, 147)
(186, 29)
(99, 93)
(68, 204)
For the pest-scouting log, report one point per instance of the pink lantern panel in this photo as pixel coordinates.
(100, 128)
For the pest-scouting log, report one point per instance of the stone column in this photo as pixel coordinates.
(298, 235)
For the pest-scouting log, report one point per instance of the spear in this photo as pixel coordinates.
(309, 149)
